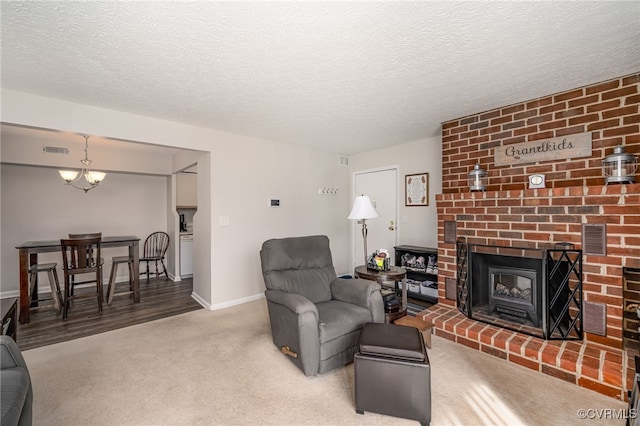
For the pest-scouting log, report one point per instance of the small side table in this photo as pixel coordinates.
(9, 312)
(425, 327)
(395, 274)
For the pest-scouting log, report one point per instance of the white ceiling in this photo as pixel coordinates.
(339, 76)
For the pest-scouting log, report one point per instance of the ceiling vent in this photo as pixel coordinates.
(55, 150)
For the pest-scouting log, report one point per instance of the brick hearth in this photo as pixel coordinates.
(509, 214)
(603, 369)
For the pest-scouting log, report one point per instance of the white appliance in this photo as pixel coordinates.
(186, 255)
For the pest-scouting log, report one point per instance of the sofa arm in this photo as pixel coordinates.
(360, 292)
(10, 355)
(17, 395)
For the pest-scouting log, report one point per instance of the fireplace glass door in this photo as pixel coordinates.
(512, 294)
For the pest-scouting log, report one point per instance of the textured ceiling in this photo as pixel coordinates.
(339, 76)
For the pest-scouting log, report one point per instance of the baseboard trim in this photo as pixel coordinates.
(228, 304)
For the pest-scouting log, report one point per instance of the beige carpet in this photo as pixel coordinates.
(206, 368)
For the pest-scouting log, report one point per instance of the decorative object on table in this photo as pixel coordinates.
(390, 300)
(361, 211)
(432, 265)
(477, 178)
(379, 260)
(413, 261)
(416, 188)
(537, 181)
(619, 167)
(92, 177)
(392, 305)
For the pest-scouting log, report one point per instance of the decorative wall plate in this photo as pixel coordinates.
(417, 189)
(536, 181)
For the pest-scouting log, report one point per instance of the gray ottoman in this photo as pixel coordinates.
(392, 372)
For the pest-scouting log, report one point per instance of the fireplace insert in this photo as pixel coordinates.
(512, 294)
(534, 291)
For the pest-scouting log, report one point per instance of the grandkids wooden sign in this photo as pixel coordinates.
(571, 146)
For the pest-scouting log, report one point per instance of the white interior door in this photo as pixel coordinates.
(381, 186)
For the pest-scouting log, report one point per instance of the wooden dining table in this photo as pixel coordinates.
(28, 253)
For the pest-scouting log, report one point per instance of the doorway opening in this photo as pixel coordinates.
(381, 185)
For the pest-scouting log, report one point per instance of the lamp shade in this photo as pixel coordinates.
(363, 209)
(68, 175)
(94, 177)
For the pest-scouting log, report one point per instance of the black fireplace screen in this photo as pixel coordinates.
(564, 294)
(534, 291)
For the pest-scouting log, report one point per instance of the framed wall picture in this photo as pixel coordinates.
(416, 189)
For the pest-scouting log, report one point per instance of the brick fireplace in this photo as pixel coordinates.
(575, 197)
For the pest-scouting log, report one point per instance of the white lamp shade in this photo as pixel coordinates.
(68, 175)
(363, 209)
(94, 177)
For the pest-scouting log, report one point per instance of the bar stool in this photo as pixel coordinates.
(115, 261)
(50, 269)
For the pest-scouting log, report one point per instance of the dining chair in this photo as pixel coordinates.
(81, 256)
(155, 248)
(84, 236)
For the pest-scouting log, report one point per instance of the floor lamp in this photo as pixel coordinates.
(361, 211)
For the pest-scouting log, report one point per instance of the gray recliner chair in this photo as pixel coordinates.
(316, 318)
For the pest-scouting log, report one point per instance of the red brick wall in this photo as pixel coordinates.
(510, 214)
(609, 110)
(541, 218)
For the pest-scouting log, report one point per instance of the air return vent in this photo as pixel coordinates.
(450, 288)
(594, 238)
(595, 318)
(450, 231)
(55, 150)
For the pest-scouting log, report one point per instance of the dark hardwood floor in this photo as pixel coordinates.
(158, 299)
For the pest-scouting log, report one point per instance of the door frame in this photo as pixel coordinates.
(354, 223)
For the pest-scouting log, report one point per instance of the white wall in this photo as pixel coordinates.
(245, 177)
(36, 205)
(417, 225)
(236, 177)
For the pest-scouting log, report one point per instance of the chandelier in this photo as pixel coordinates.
(93, 178)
